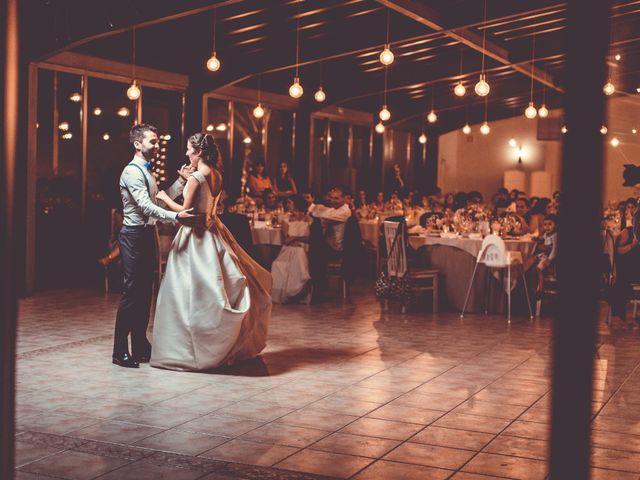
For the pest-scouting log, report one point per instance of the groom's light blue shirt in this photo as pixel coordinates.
(140, 206)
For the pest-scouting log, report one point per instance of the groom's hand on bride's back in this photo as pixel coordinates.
(185, 217)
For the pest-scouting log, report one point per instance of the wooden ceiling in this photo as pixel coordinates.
(436, 44)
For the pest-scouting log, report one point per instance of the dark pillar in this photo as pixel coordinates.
(430, 177)
(576, 321)
(193, 109)
(8, 147)
(302, 154)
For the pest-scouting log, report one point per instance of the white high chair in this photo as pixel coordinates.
(494, 254)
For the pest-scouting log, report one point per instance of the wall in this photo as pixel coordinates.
(478, 162)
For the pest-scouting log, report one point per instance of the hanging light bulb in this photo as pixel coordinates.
(432, 117)
(133, 92)
(615, 142)
(530, 112)
(482, 87)
(75, 97)
(604, 130)
(221, 127)
(380, 127)
(123, 112)
(67, 136)
(63, 126)
(512, 142)
(564, 129)
(618, 57)
(634, 131)
(422, 138)
(209, 128)
(386, 56)
(320, 96)
(459, 89)
(384, 114)
(213, 64)
(258, 112)
(247, 140)
(466, 129)
(485, 129)
(295, 90)
(97, 111)
(609, 88)
(106, 137)
(543, 112)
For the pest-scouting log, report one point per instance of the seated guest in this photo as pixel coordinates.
(500, 201)
(522, 213)
(459, 201)
(537, 214)
(290, 270)
(448, 202)
(284, 185)
(361, 199)
(629, 213)
(258, 180)
(379, 201)
(309, 197)
(270, 201)
(548, 250)
(335, 235)
(474, 198)
(394, 202)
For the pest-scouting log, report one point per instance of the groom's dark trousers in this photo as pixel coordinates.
(137, 249)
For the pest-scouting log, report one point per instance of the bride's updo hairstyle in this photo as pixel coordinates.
(206, 145)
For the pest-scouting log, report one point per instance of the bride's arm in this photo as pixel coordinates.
(188, 194)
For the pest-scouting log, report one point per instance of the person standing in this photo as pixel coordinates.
(136, 240)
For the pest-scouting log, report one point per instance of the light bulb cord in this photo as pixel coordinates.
(484, 35)
(133, 55)
(297, 38)
(215, 21)
(533, 62)
(388, 15)
(385, 86)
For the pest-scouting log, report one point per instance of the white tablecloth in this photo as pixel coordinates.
(266, 235)
(472, 246)
(369, 231)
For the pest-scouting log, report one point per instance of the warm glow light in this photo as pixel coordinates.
(432, 117)
(106, 136)
(459, 89)
(512, 142)
(247, 140)
(97, 111)
(482, 87)
(609, 88)
(564, 129)
(75, 97)
(209, 128)
(379, 127)
(67, 136)
(615, 142)
(295, 90)
(167, 137)
(213, 64)
(485, 129)
(320, 96)
(329, 139)
(543, 112)
(604, 130)
(133, 92)
(221, 127)
(258, 112)
(530, 112)
(618, 57)
(466, 129)
(386, 56)
(63, 126)
(634, 131)
(384, 114)
(422, 139)
(123, 112)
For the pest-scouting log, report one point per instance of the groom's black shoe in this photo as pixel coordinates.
(124, 360)
(142, 356)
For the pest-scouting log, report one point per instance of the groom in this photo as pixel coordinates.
(138, 189)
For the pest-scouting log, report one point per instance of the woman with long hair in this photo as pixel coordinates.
(214, 306)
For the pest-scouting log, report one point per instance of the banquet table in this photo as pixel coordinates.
(455, 258)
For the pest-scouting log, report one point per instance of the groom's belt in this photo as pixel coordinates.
(144, 225)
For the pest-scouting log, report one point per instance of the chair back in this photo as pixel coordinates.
(396, 258)
(493, 252)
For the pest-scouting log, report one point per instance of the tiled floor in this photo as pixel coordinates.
(342, 390)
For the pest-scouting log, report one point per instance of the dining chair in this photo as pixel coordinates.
(494, 254)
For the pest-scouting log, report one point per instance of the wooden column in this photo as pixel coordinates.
(9, 109)
(579, 244)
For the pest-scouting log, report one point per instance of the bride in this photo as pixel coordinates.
(213, 307)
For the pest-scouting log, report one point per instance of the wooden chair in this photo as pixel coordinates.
(163, 234)
(421, 280)
(494, 254)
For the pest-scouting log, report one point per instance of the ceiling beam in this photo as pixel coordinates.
(425, 15)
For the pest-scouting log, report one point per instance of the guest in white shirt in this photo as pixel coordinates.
(334, 218)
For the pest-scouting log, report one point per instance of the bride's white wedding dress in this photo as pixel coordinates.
(213, 307)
